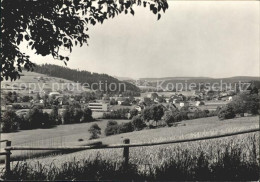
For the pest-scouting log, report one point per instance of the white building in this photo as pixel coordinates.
(98, 106)
(182, 104)
(199, 103)
(54, 94)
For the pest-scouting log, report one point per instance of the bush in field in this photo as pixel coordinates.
(113, 102)
(252, 103)
(95, 131)
(133, 112)
(184, 115)
(238, 105)
(66, 116)
(111, 128)
(10, 121)
(125, 128)
(77, 115)
(154, 112)
(245, 102)
(87, 115)
(146, 114)
(54, 115)
(35, 118)
(172, 117)
(24, 123)
(199, 114)
(126, 102)
(226, 112)
(138, 123)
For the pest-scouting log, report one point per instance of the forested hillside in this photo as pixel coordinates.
(93, 79)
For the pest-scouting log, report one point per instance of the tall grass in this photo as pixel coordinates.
(233, 158)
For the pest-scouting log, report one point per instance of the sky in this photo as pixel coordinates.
(203, 38)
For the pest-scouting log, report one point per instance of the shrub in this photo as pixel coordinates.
(154, 112)
(24, 123)
(172, 117)
(35, 118)
(111, 128)
(9, 121)
(113, 102)
(66, 116)
(125, 128)
(95, 131)
(54, 115)
(77, 115)
(87, 115)
(226, 113)
(133, 112)
(46, 122)
(117, 114)
(138, 123)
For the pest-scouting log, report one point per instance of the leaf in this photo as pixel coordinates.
(154, 10)
(26, 37)
(159, 16)
(151, 7)
(132, 12)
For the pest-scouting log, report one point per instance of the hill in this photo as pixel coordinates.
(95, 81)
(167, 83)
(203, 79)
(174, 78)
(33, 83)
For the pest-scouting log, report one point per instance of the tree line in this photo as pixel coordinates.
(87, 77)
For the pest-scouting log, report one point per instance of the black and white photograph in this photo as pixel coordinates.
(130, 90)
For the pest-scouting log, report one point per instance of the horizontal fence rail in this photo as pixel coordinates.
(3, 141)
(103, 146)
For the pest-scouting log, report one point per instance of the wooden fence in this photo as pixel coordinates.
(99, 145)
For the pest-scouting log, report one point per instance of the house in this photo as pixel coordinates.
(120, 100)
(94, 106)
(199, 103)
(51, 94)
(138, 108)
(182, 104)
(230, 98)
(47, 90)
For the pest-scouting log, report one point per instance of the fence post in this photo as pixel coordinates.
(126, 152)
(7, 159)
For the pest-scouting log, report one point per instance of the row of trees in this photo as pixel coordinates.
(241, 103)
(36, 118)
(117, 114)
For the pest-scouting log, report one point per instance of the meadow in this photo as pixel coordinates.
(69, 135)
(229, 158)
(184, 161)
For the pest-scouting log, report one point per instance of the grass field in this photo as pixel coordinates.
(68, 135)
(225, 158)
(228, 158)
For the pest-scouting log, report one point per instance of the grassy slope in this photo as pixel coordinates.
(69, 134)
(30, 80)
